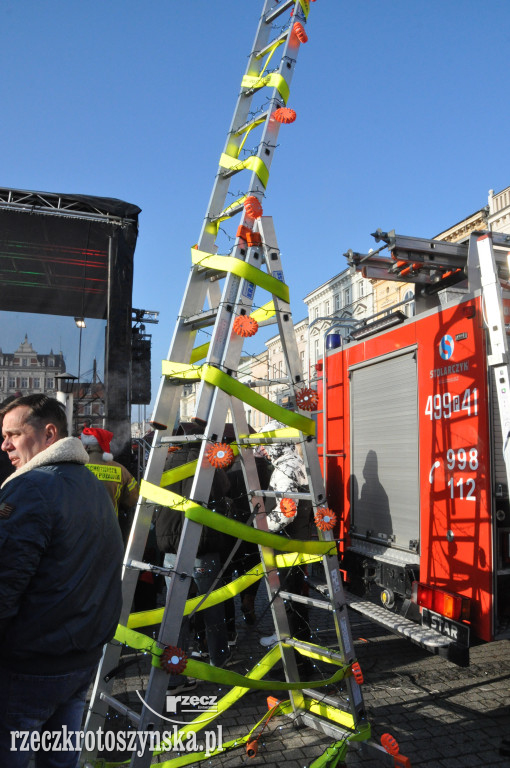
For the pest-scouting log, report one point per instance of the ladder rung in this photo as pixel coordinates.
(322, 588)
(266, 382)
(252, 123)
(281, 495)
(120, 708)
(332, 701)
(306, 600)
(257, 439)
(329, 654)
(183, 439)
(201, 319)
(140, 566)
(231, 211)
(277, 11)
(331, 729)
(268, 48)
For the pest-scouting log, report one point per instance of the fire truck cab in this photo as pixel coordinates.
(412, 456)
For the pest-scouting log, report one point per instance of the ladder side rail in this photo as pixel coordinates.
(271, 575)
(154, 469)
(173, 615)
(167, 405)
(291, 356)
(311, 459)
(222, 183)
(178, 589)
(495, 319)
(225, 348)
(268, 140)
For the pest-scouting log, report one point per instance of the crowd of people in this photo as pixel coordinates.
(65, 509)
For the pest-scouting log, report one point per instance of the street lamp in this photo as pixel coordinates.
(65, 385)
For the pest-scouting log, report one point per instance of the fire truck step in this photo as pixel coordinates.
(418, 634)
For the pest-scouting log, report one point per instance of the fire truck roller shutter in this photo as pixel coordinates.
(384, 450)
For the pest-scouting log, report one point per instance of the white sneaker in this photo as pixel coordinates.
(266, 642)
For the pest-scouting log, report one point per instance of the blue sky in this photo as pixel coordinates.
(402, 121)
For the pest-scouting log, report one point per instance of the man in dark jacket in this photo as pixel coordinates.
(60, 581)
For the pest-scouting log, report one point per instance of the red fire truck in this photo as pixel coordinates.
(412, 446)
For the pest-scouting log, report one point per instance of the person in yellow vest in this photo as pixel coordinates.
(118, 481)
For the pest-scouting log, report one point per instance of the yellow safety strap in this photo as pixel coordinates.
(213, 226)
(218, 522)
(246, 130)
(273, 80)
(235, 388)
(198, 514)
(242, 269)
(233, 588)
(261, 315)
(261, 437)
(264, 313)
(305, 5)
(252, 163)
(224, 676)
(177, 474)
(200, 352)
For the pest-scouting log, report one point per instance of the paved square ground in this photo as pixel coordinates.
(443, 716)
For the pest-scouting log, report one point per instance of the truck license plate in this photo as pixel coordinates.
(457, 632)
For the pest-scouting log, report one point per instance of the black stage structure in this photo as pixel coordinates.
(64, 254)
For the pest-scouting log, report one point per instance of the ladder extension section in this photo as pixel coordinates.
(220, 295)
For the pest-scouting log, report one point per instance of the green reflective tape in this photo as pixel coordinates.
(273, 80)
(177, 474)
(305, 6)
(242, 269)
(235, 388)
(264, 313)
(199, 353)
(233, 588)
(203, 516)
(251, 163)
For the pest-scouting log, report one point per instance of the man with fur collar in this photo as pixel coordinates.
(60, 580)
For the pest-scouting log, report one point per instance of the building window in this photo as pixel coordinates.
(326, 308)
(361, 290)
(315, 313)
(347, 297)
(49, 384)
(51, 362)
(37, 383)
(409, 308)
(24, 383)
(337, 301)
(12, 383)
(316, 351)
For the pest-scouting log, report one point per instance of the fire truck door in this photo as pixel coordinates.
(384, 450)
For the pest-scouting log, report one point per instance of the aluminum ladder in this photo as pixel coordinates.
(253, 262)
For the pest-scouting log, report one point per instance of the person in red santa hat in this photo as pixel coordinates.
(118, 481)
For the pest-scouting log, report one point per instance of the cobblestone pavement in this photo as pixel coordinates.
(442, 715)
